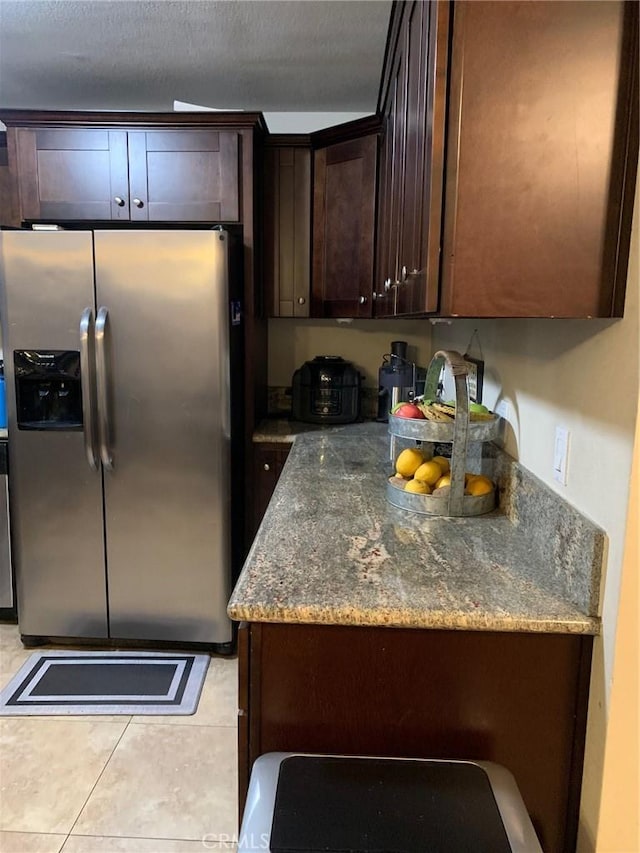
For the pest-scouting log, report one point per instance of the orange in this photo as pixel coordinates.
(479, 486)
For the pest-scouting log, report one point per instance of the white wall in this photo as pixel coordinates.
(583, 375)
(281, 121)
(619, 824)
(364, 342)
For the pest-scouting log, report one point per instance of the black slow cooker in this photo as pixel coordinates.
(326, 391)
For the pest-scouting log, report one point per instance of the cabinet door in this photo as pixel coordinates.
(543, 148)
(72, 174)
(8, 208)
(287, 230)
(426, 43)
(268, 462)
(516, 699)
(383, 304)
(184, 176)
(391, 187)
(343, 228)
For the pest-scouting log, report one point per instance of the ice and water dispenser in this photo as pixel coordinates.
(48, 393)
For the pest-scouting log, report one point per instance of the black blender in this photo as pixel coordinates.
(398, 380)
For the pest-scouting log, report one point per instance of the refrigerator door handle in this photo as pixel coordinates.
(86, 383)
(103, 389)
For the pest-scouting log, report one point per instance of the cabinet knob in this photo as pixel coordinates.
(138, 202)
(119, 201)
(266, 466)
(301, 300)
(363, 300)
(387, 285)
(403, 275)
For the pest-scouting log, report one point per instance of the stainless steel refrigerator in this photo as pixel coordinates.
(118, 376)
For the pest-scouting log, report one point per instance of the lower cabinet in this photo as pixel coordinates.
(517, 699)
(268, 462)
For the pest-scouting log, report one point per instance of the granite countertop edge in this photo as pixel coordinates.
(433, 620)
(284, 430)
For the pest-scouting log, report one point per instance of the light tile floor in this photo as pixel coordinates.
(119, 784)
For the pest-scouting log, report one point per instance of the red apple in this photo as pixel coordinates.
(407, 410)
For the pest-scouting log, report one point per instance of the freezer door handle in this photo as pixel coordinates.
(86, 383)
(102, 386)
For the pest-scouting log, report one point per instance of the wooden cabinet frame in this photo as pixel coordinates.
(287, 225)
(514, 698)
(412, 102)
(128, 140)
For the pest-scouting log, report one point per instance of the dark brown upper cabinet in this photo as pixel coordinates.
(184, 175)
(344, 196)
(536, 107)
(287, 225)
(8, 216)
(413, 103)
(125, 167)
(542, 158)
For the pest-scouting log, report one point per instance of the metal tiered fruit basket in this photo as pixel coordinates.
(424, 434)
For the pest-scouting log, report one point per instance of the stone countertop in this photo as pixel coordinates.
(331, 550)
(283, 430)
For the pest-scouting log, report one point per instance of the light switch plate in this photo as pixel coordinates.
(561, 455)
(503, 409)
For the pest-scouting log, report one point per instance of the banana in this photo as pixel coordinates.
(432, 414)
(445, 409)
(481, 416)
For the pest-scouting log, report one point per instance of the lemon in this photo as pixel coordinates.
(418, 487)
(408, 462)
(445, 480)
(443, 463)
(429, 472)
(479, 486)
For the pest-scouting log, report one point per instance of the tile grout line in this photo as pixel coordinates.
(93, 787)
(187, 725)
(148, 838)
(95, 784)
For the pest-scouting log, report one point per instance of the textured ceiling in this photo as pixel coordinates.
(230, 54)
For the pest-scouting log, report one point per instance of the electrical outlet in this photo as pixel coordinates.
(561, 455)
(503, 409)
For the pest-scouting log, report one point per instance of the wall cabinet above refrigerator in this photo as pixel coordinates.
(511, 148)
(127, 167)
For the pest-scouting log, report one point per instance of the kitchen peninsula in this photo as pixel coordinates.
(367, 630)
